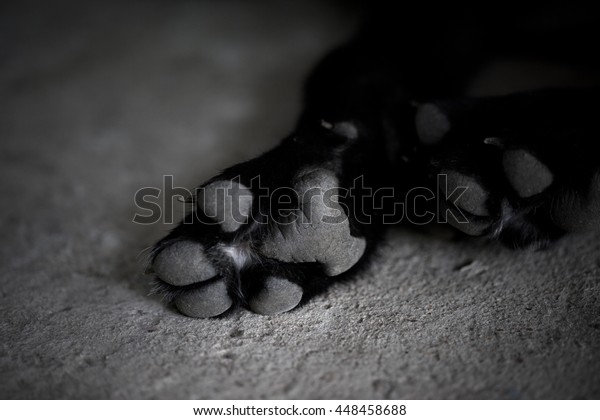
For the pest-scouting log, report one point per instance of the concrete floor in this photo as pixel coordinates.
(100, 99)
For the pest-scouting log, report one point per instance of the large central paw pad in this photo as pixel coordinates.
(320, 231)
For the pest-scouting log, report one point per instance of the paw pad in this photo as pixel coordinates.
(473, 197)
(321, 232)
(469, 225)
(431, 123)
(227, 202)
(278, 295)
(525, 173)
(205, 301)
(183, 263)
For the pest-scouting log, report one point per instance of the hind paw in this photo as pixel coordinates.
(521, 168)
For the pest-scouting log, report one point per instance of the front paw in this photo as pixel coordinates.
(261, 237)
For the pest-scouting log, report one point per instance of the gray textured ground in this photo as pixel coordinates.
(99, 100)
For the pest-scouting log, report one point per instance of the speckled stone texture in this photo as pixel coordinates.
(102, 99)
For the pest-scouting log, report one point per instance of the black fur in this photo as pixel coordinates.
(375, 84)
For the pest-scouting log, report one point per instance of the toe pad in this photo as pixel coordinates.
(432, 124)
(468, 224)
(527, 175)
(473, 199)
(279, 295)
(227, 202)
(183, 263)
(208, 300)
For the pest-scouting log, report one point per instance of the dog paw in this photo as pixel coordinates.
(258, 236)
(519, 168)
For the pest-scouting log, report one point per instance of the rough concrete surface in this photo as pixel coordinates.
(100, 99)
